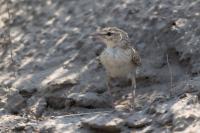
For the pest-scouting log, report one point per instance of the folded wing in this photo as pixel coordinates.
(136, 57)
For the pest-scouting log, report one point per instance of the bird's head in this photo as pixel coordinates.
(111, 36)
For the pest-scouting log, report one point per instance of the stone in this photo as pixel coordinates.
(36, 105)
(181, 123)
(163, 130)
(27, 93)
(2, 103)
(161, 109)
(138, 121)
(151, 110)
(29, 129)
(148, 129)
(15, 103)
(8, 83)
(104, 123)
(90, 100)
(2, 111)
(165, 119)
(59, 84)
(56, 102)
(184, 88)
(192, 99)
(157, 109)
(122, 108)
(181, 22)
(47, 130)
(19, 127)
(96, 88)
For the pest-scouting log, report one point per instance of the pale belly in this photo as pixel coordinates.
(118, 63)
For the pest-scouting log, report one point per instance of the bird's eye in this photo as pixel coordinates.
(109, 34)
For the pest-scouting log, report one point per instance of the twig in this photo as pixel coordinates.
(169, 67)
(156, 41)
(171, 76)
(9, 35)
(80, 114)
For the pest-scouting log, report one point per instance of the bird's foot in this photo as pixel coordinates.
(112, 103)
(132, 108)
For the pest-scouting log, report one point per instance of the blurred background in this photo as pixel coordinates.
(48, 62)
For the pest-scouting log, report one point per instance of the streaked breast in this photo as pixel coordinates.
(117, 61)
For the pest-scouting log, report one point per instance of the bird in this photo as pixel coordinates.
(119, 58)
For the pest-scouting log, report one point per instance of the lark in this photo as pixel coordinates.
(119, 58)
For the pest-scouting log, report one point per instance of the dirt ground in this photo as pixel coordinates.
(54, 82)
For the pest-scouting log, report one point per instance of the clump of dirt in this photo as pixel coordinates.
(54, 81)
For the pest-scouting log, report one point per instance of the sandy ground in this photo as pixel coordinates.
(56, 83)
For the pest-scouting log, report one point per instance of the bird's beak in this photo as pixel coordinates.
(95, 34)
(98, 36)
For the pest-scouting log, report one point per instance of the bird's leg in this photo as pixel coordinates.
(108, 80)
(133, 86)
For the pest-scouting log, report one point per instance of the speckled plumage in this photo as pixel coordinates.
(118, 58)
(119, 62)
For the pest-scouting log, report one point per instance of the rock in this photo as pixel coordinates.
(8, 83)
(15, 102)
(151, 110)
(161, 98)
(181, 123)
(157, 109)
(59, 84)
(2, 103)
(12, 123)
(47, 130)
(122, 108)
(138, 121)
(90, 100)
(19, 127)
(192, 99)
(96, 88)
(27, 93)
(104, 123)
(29, 129)
(36, 105)
(190, 86)
(2, 111)
(161, 109)
(56, 102)
(181, 22)
(164, 130)
(148, 129)
(165, 119)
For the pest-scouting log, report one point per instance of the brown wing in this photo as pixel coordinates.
(136, 57)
